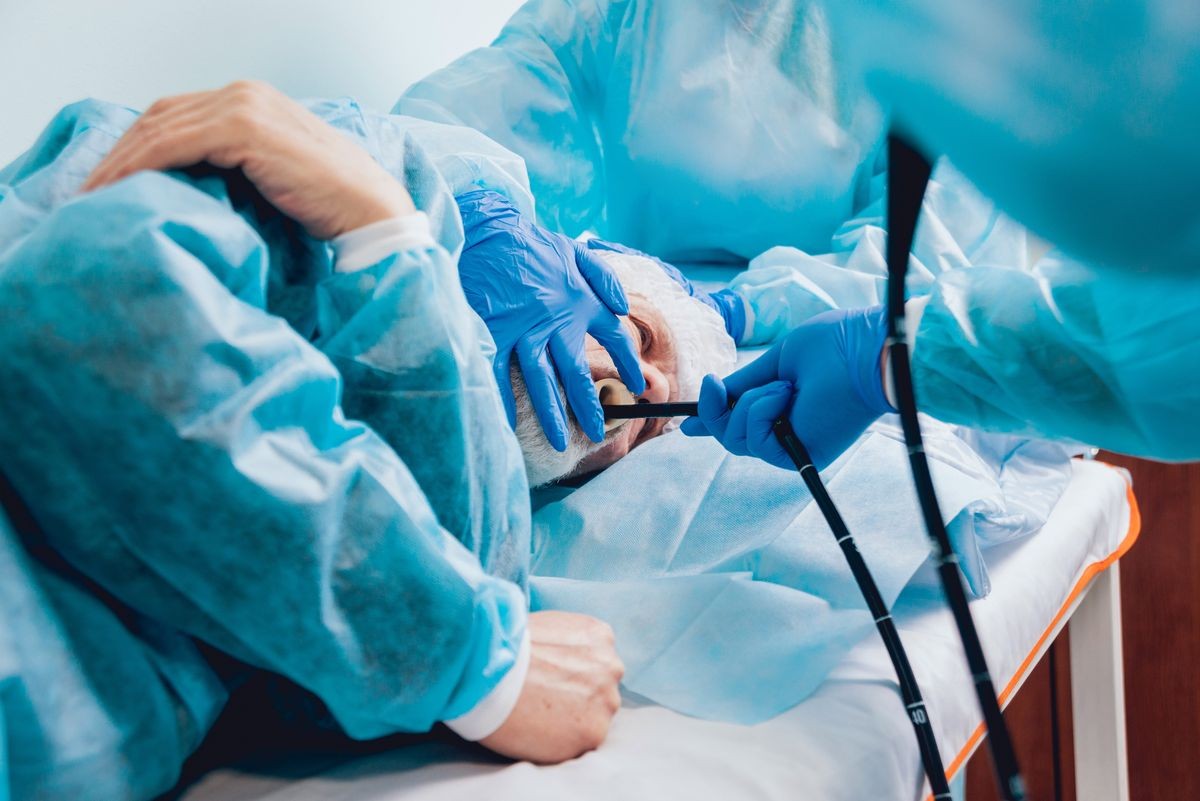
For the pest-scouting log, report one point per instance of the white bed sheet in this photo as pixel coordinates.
(850, 740)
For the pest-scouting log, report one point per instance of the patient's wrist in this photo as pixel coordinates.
(490, 713)
(372, 243)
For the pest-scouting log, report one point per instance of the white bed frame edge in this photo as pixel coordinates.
(1098, 692)
(1097, 688)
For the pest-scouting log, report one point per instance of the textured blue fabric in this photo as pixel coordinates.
(693, 131)
(729, 596)
(1097, 354)
(1082, 125)
(309, 471)
(1056, 348)
(959, 229)
(111, 700)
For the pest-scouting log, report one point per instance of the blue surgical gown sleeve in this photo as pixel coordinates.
(414, 387)
(1098, 354)
(535, 92)
(189, 452)
(1058, 348)
(959, 229)
(97, 701)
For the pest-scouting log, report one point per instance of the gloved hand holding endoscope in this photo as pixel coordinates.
(825, 374)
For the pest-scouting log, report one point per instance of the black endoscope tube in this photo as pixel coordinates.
(908, 175)
(910, 692)
(644, 409)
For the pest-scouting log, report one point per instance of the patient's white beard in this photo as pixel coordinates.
(543, 464)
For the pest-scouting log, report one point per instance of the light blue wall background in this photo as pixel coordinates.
(53, 52)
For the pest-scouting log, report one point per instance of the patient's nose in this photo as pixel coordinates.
(658, 388)
(613, 391)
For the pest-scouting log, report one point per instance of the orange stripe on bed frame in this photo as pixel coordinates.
(1092, 570)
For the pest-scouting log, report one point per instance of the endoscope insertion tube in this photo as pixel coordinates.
(910, 691)
(908, 175)
(627, 409)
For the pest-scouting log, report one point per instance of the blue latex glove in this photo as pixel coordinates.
(825, 375)
(725, 302)
(540, 293)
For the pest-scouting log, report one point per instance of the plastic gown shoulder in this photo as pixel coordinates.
(187, 450)
(706, 131)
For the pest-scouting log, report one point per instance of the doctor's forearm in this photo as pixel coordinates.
(1056, 353)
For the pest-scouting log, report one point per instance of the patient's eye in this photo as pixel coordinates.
(645, 334)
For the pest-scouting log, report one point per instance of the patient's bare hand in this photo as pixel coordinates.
(304, 167)
(571, 691)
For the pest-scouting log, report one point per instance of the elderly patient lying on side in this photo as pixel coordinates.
(236, 449)
(679, 339)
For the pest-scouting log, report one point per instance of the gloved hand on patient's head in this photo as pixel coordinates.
(725, 302)
(679, 337)
(541, 295)
(826, 375)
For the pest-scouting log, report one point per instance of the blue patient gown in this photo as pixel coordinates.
(716, 131)
(222, 441)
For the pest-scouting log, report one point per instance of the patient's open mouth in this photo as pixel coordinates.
(613, 392)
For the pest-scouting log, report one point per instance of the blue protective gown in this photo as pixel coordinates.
(1081, 120)
(693, 131)
(221, 440)
(712, 131)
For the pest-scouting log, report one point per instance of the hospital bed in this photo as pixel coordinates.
(850, 740)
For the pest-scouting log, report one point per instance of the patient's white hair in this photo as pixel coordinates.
(543, 464)
(702, 346)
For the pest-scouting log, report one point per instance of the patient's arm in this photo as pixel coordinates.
(570, 691)
(304, 167)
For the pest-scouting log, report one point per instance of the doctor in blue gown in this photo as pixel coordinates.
(714, 131)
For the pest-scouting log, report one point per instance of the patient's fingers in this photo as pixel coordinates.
(127, 157)
(181, 131)
(543, 391)
(188, 141)
(162, 123)
(176, 104)
(576, 376)
(616, 339)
